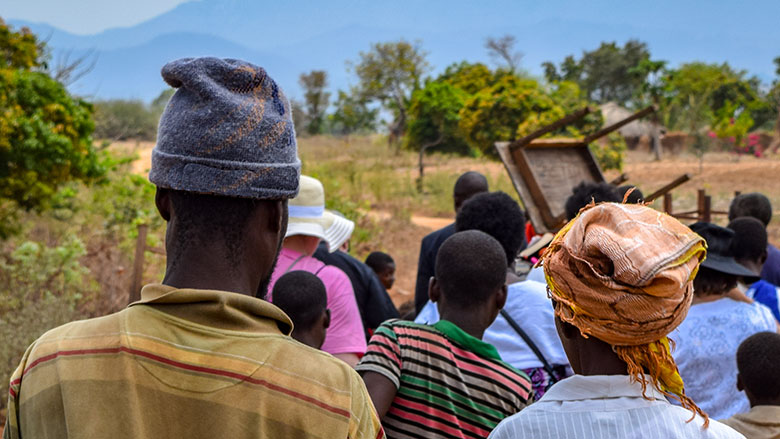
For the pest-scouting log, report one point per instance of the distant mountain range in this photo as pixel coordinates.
(288, 38)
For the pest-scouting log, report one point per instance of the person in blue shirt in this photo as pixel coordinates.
(757, 205)
(750, 250)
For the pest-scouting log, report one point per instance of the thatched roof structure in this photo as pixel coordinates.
(612, 113)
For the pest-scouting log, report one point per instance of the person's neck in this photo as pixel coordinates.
(298, 244)
(599, 359)
(471, 323)
(706, 299)
(306, 338)
(211, 269)
(753, 266)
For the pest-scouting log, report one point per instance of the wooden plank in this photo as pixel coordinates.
(660, 192)
(534, 215)
(579, 114)
(138, 263)
(620, 179)
(555, 143)
(615, 126)
(668, 203)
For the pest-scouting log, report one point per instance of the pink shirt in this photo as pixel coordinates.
(345, 334)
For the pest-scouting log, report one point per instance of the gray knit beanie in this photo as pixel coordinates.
(226, 131)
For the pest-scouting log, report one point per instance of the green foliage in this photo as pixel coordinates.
(121, 119)
(605, 74)
(699, 95)
(44, 132)
(609, 154)
(514, 107)
(471, 78)
(352, 115)
(433, 117)
(389, 73)
(42, 287)
(316, 99)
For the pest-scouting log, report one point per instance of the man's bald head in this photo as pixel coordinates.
(468, 185)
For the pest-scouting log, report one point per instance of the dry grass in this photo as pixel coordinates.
(376, 186)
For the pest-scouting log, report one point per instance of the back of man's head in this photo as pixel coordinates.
(498, 215)
(750, 239)
(586, 192)
(302, 296)
(468, 185)
(758, 358)
(470, 267)
(753, 204)
(225, 153)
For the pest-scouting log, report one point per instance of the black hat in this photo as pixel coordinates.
(719, 255)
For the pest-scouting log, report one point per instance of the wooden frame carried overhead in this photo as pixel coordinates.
(544, 171)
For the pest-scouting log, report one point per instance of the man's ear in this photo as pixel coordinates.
(326, 319)
(277, 216)
(740, 385)
(434, 292)
(762, 259)
(501, 297)
(163, 202)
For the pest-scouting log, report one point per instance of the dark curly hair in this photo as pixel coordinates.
(757, 360)
(754, 204)
(498, 215)
(585, 192)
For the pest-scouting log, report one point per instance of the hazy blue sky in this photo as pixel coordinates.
(86, 16)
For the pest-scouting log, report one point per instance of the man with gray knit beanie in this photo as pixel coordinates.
(201, 354)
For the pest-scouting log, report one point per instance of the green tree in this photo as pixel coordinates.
(122, 119)
(605, 74)
(352, 115)
(44, 132)
(471, 78)
(389, 73)
(433, 120)
(515, 107)
(315, 98)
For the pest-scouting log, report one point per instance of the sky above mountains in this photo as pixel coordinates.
(132, 40)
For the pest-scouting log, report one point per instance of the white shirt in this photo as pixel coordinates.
(527, 303)
(605, 406)
(706, 352)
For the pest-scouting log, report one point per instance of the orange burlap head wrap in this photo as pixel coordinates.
(623, 273)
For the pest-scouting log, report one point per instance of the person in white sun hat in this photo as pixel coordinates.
(308, 224)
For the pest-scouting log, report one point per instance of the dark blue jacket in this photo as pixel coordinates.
(426, 264)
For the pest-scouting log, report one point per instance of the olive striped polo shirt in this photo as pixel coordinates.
(450, 384)
(185, 363)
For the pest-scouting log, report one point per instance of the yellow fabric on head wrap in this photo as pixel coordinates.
(623, 273)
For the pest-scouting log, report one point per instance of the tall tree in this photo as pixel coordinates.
(389, 73)
(352, 115)
(45, 134)
(605, 74)
(315, 98)
(502, 50)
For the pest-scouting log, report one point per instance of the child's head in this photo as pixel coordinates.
(465, 284)
(302, 296)
(754, 204)
(758, 358)
(750, 241)
(384, 267)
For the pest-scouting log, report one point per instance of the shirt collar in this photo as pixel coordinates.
(582, 387)
(471, 343)
(220, 309)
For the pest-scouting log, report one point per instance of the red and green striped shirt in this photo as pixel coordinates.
(450, 384)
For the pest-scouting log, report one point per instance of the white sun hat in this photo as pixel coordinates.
(306, 211)
(337, 229)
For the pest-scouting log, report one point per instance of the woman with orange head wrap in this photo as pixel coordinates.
(620, 277)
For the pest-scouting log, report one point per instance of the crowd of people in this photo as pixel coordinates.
(630, 324)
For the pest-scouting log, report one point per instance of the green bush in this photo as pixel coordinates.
(42, 287)
(120, 119)
(610, 154)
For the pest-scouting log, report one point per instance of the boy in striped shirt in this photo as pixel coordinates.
(442, 380)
